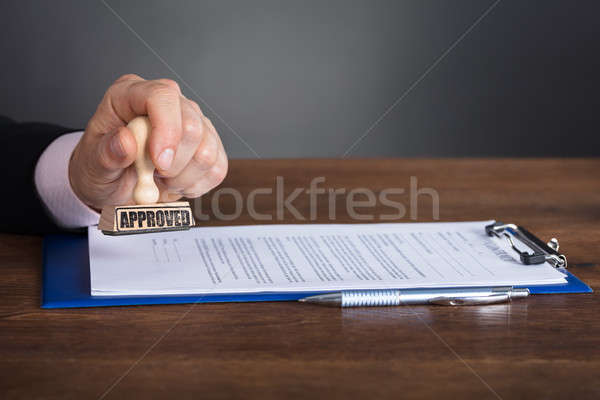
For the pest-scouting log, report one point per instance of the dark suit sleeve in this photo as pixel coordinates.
(21, 144)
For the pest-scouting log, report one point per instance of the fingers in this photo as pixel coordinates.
(116, 151)
(210, 180)
(192, 122)
(206, 169)
(160, 100)
(184, 146)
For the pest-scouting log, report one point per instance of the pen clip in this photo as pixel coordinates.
(470, 301)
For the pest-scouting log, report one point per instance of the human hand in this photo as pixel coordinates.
(184, 146)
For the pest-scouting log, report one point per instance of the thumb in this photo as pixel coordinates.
(116, 151)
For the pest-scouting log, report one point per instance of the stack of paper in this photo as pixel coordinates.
(307, 258)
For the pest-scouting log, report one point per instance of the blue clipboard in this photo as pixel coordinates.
(66, 282)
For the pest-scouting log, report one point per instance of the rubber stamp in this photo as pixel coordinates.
(146, 215)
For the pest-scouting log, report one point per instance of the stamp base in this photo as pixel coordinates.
(136, 219)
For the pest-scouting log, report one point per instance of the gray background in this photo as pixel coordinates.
(308, 78)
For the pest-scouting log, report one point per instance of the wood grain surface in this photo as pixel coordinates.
(545, 347)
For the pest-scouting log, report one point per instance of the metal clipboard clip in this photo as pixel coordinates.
(542, 252)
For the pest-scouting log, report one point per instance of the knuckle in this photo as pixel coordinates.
(128, 77)
(206, 157)
(159, 91)
(218, 173)
(195, 106)
(170, 83)
(192, 128)
(97, 123)
(113, 87)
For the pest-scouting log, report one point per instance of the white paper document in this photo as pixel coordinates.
(291, 258)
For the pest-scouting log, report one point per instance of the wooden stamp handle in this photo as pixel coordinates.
(145, 191)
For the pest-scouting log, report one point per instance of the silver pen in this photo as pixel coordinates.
(396, 297)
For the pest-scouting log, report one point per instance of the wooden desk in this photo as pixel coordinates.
(543, 347)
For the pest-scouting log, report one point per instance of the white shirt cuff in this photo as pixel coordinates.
(53, 185)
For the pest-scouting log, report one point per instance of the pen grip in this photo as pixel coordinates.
(371, 298)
